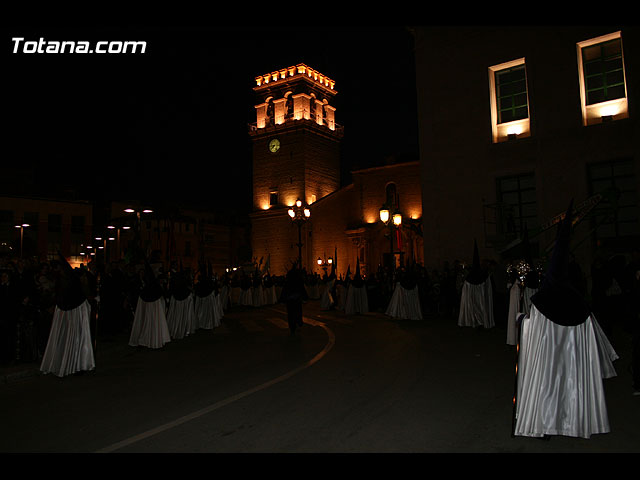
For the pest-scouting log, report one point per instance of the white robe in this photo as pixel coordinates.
(405, 303)
(560, 372)
(357, 300)
(206, 311)
(181, 317)
(476, 305)
(150, 324)
(69, 347)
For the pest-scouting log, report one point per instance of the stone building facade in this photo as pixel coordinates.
(296, 156)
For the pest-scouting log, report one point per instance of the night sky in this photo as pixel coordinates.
(171, 125)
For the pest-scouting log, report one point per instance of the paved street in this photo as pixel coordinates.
(342, 384)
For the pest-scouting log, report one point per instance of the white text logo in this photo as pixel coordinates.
(46, 46)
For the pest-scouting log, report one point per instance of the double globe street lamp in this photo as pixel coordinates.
(324, 264)
(299, 214)
(393, 221)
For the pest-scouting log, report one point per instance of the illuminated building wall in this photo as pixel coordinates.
(474, 168)
(349, 220)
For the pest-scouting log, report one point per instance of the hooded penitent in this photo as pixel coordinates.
(357, 279)
(476, 275)
(179, 285)
(557, 299)
(69, 292)
(151, 290)
(204, 287)
(409, 279)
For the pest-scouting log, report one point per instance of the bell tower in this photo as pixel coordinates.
(296, 155)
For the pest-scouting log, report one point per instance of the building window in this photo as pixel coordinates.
(617, 213)
(511, 94)
(517, 197)
(603, 90)
(273, 198)
(509, 100)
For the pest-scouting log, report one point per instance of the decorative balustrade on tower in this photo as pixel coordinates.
(295, 93)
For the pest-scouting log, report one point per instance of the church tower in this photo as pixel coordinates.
(296, 156)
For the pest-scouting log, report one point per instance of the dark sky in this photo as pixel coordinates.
(172, 123)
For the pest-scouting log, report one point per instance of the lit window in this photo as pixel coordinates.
(602, 79)
(509, 100)
(511, 94)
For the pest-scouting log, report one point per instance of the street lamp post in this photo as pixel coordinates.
(22, 226)
(138, 234)
(299, 214)
(393, 221)
(103, 247)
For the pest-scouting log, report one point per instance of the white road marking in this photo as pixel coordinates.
(227, 401)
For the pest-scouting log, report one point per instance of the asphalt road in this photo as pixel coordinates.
(341, 384)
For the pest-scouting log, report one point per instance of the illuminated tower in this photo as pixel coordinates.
(296, 155)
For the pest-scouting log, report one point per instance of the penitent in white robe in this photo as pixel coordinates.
(207, 311)
(181, 317)
(405, 303)
(476, 305)
(560, 373)
(150, 325)
(357, 300)
(69, 347)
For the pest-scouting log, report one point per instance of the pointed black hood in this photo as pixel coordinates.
(69, 291)
(557, 299)
(476, 275)
(409, 279)
(204, 287)
(179, 285)
(151, 290)
(357, 279)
